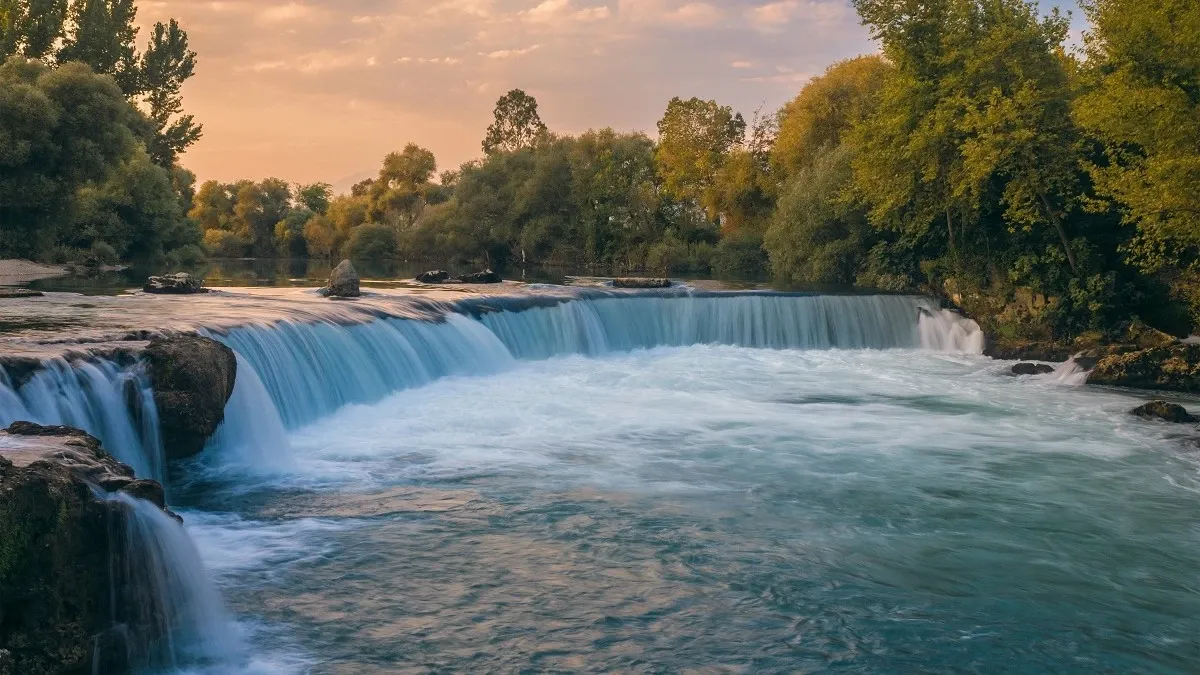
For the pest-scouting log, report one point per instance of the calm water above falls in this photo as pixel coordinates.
(715, 509)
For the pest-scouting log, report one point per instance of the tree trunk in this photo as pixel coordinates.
(1062, 232)
(950, 233)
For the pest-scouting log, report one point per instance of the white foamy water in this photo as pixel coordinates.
(703, 506)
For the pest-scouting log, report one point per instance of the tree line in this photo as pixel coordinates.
(977, 153)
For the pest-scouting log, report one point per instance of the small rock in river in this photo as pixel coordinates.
(175, 284)
(1168, 412)
(1032, 369)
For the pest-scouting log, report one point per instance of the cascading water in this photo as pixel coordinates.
(112, 402)
(166, 613)
(312, 369)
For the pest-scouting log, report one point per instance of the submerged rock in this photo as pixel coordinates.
(1169, 368)
(1032, 369)
(433, 277)
(343, 282)
(639, 282)
(192, 378)
(175, 284)
(60, 540)
(1162, 410)
(484, 277)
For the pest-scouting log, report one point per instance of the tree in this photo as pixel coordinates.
(102, 36)
(398, 195)
(166, 64)
(695, 138)
(977, 97)
(1142, 102)
(825, 111)
(59, 130)
(818, 234)
(315, 197)
(31, 27)
(136, 211)
(517, 124)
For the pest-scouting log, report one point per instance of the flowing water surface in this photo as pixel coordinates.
(714, 509)
(660, 483)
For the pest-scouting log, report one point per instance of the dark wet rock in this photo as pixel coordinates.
(343, 282)
(1032, 369)
(192, 378)
(484, 277)
(16, 293)
(1170, 368)
(1021, 350)
(433, 277)
(59, 540)
(175, 284)
(1167, 412)
(639, 282)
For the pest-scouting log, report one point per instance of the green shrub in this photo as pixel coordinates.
(372, 242)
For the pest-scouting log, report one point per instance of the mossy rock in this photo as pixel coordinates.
(59, 541)
(1171, 368)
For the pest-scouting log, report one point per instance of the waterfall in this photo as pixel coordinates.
(112, 402)
(293, 373)
(252, 434)
(312, 369)
(166, 612)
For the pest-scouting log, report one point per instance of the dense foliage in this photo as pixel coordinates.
(90, 133)
(975, 156)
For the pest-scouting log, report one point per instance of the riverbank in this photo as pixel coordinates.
(17, 272)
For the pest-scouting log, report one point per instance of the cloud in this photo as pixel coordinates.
(557, 11)
(509, 53)
(289, 12)
(742, 65)
(774, 16)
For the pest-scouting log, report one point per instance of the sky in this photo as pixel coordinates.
(321, 90)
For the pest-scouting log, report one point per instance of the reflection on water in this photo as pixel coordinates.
(306, 273)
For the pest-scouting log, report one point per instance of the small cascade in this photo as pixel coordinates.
(1070, 373)
(166, 613)
(252, 434)
(312, 369)
(946, 331)
(112, 402)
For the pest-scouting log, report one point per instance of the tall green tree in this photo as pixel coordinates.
(398, 194)
(695, 139)
(979, 96)
(102, 35)
(517, 124)
(1142, 103)
(165, 65)
(825, 111)
(31, 27)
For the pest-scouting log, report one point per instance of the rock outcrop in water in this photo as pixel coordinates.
(484, 277)
(343, 282)
(1167, 412)
(1032, 369)
(57, 549)
(1170, 368)
(638, 282)
(175, 284)
(192, 378)
(433, 277)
